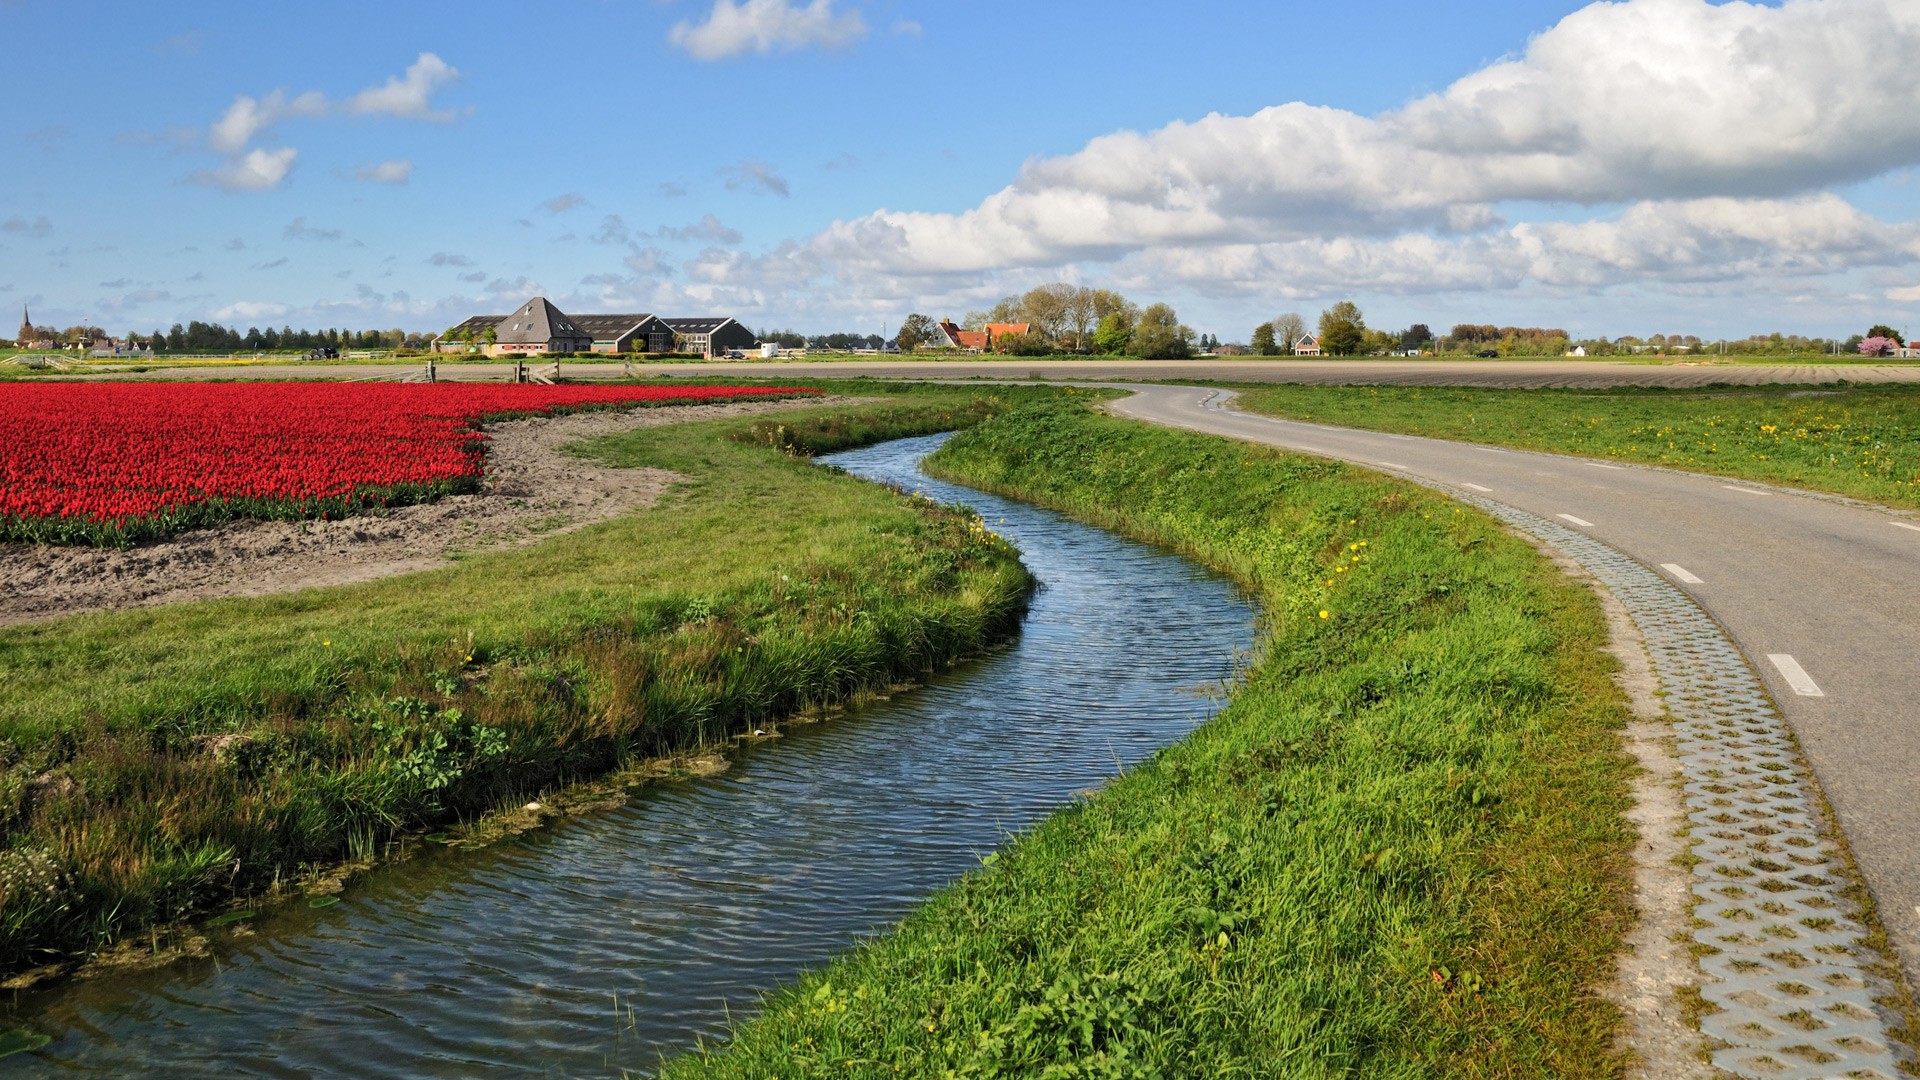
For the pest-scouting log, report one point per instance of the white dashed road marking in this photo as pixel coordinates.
(1477, 487)
(1904, 525)
(1746, 490)
(1391, 465)
(1597, 465)
(1489, 450)
(1681, 572)
(1582, 522)
(1796, 675)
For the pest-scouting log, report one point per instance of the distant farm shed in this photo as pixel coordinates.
(627, 333)
(711, 336)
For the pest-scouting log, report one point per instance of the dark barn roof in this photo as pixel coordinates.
(536, 322)
(478, 324)
(703, 325)
(609, 327)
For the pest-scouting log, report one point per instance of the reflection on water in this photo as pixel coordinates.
(606, 942)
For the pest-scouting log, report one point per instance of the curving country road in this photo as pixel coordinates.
(1821, 594)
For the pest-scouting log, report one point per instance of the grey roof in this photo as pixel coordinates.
(704, 325)
(609, 327)
(478, 324)
(537, 322)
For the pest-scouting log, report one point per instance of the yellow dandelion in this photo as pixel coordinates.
(1323, 613)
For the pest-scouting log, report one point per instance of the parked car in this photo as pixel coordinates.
(1487, 354)
(736, 354)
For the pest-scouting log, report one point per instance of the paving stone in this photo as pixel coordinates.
(1785, 952)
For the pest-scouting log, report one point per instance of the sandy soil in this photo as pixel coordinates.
(531, 491)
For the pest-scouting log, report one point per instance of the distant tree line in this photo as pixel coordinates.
(197, 336)
(1343, 331)
(847, 342)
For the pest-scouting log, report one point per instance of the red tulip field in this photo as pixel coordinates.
(110, 465)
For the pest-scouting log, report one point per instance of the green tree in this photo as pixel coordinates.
(1159, 336)
(1114, 334)
(1263, 343)
(1887, 332)
(1343, 330)
(915, 332)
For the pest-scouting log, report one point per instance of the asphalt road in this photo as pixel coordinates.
(1584, 374)
(1830, 585)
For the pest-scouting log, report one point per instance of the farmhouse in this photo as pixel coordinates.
(978, 340)
(1308, 345)
(539, 327)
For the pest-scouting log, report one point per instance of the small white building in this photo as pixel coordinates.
(1577, 350)
(1308, 345)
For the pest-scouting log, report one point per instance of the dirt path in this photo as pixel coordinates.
(531, 491)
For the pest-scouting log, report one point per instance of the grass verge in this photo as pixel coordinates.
(162, 762)
(1858, 441)
(1398, 851)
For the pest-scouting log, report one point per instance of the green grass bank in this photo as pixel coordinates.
(1853, 440)
(1397, 852)
(159, 763)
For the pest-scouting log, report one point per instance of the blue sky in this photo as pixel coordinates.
(1649, 166)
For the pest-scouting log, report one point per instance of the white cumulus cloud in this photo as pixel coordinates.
(248, 117)
(386, 172)
(764, 26)
(1674, 242)
(1618, 103)
(256, 170)
(250, 168)
(409, 95)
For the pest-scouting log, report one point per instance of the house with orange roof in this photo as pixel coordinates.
(980, 340)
